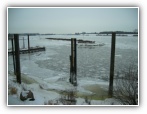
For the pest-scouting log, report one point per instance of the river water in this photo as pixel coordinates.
(92, 63)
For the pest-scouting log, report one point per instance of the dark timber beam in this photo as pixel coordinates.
(73, 62)
(13, 56)
(112, 63)
(17, 58)
(28, 44)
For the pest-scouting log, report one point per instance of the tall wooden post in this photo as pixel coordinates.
(28, 44)
(112, 62)
(13, 56)
(75, 60)
(73, 63)
(17, 58)
(70, 79)
(23, 43)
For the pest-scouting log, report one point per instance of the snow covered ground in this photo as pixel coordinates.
(46, 94)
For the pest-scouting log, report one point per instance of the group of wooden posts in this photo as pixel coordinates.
(73, 61)
(73, 64)
(16, 56)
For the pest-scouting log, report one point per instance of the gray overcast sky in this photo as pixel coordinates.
(71, 20)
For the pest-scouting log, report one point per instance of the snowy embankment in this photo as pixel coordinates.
(55, 91)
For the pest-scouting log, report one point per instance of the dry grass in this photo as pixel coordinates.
(50, 102)
(126, 89)
(13, 91)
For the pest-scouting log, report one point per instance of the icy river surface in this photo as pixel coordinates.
(93, 63)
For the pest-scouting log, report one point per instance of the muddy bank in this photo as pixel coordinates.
(100, 92)
(96, 92)
(88, 92)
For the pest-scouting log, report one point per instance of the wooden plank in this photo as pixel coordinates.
(24, 51)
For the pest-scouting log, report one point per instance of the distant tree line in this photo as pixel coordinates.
(31, 34)
(118, 32)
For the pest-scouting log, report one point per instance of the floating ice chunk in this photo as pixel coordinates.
(118, 55)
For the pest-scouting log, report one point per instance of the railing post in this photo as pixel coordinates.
(112, 63)
(17, 58)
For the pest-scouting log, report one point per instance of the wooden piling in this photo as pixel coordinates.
(112, 63)
(73, 63)
(23, 43)
(17, 58)
(28, 44)
(75, 60)
(13, 56)
(70, 79)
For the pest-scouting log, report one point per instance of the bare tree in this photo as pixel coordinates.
(135, 30)
(126, 87)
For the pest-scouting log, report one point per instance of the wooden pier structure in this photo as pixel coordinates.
(24, 50)
(31, 50)
(73, 59)
(16, 51)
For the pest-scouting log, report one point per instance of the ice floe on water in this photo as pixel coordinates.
(47, 73)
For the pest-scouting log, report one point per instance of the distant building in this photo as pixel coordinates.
(83, 32)
(77, 33)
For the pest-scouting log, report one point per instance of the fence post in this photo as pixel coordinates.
(28, 44)
(17, 58)
(112, 62)
(13, 55)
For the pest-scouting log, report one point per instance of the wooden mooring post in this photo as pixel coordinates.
(28, 44)
(112, 63)
(13, 56)
(17, 58)
(23, 43)
(73, 63)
